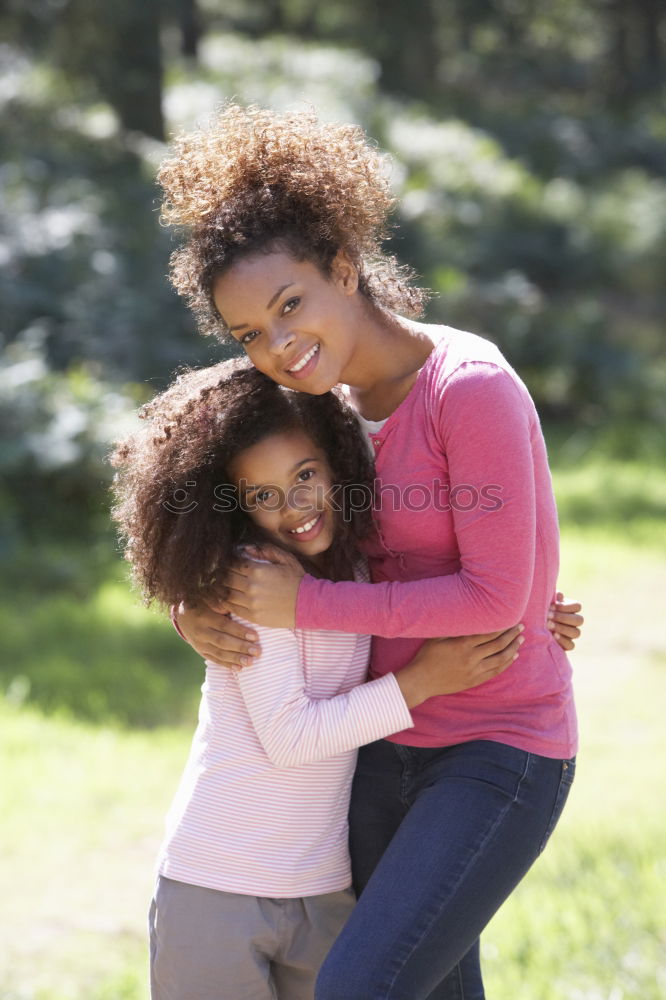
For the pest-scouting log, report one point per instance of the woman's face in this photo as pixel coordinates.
(284, 484)
(297, 325)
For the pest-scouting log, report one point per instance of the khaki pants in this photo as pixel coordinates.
(212, 945)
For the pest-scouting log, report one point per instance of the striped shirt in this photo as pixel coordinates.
(262, 804)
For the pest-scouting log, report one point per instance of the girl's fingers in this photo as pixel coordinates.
(568, 631)
(567, 619)
(570, 606)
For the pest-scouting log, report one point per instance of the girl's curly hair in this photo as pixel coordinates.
(173, 471)
(255, 180)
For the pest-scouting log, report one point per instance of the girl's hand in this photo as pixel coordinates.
(444, 666)
(564, 621)
(264, 593)
(216, 636)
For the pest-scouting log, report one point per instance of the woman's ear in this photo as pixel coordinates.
(344, 273)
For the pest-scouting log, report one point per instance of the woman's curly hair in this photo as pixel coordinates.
(255, 180)
(173, 471)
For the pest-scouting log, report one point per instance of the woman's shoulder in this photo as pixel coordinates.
(463, 362)
(453, 348)
(467, 374)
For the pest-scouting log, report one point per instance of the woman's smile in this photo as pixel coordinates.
(295, 323)
(306, 364)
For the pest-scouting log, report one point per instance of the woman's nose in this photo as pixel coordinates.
(280, 341)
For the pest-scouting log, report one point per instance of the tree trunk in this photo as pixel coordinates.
(132, 82)
(619, 50)
(190, 28)
(651, 12)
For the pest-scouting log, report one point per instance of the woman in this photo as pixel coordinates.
(285, 218)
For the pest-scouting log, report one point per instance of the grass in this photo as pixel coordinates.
(81, 827)
(101, 656)
(86, 784)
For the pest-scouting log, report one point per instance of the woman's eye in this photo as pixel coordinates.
(306, 474)
(290, 305)
(263, 496)
(248, 337)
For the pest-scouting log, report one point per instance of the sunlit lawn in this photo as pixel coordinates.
(82, 804)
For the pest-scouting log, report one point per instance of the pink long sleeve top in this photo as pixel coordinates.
(466, 542)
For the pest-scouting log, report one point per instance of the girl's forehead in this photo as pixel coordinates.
(277, 454)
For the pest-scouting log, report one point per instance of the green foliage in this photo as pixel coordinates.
(55, 429)
(565, 277)
(84, 256)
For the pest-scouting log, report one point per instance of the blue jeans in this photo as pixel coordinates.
(439, 839)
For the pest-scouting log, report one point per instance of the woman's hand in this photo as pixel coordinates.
(565, 622)
(264, 592)
(444, 666)
(216, 636)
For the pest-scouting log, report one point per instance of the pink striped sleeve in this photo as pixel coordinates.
(296, 729)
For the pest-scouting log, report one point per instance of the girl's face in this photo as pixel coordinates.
(284, 484)
(297, 325)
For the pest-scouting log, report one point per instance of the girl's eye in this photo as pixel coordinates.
(306, 474)
(263, 496)
(248, 337)
(290, 305)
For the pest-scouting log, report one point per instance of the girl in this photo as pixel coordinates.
(285, 218)
(254, 875)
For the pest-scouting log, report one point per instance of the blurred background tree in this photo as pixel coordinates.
(529, 150)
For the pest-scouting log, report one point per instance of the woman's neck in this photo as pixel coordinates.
(390, 353)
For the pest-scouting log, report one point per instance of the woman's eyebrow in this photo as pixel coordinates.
(281, 289)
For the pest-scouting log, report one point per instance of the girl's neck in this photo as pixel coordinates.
(390, 352)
